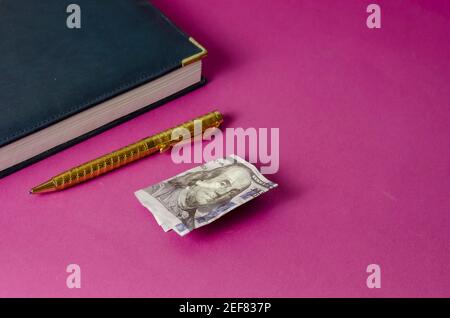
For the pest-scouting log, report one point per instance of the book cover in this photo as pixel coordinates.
(50, 71)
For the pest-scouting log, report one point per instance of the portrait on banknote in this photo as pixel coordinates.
(203, 194)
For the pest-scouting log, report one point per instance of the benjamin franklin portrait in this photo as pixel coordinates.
(193, 194)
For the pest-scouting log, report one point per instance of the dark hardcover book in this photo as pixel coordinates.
(70, 72)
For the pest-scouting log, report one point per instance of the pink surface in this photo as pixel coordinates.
(364, 166)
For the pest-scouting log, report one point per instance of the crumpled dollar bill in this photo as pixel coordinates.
(203, 194)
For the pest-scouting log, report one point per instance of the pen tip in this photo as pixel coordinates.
(44, 187)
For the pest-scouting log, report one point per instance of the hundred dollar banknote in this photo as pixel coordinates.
(203, 194)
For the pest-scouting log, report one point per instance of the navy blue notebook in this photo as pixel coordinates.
(67, 73)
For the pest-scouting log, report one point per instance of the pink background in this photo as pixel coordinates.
(364, 166)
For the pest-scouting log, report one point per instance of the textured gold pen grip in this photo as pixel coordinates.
(133, 152)
(101, 165)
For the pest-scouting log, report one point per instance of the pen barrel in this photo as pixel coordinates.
(159, 142)
(101, 165)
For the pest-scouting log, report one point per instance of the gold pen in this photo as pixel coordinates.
(159, 142)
